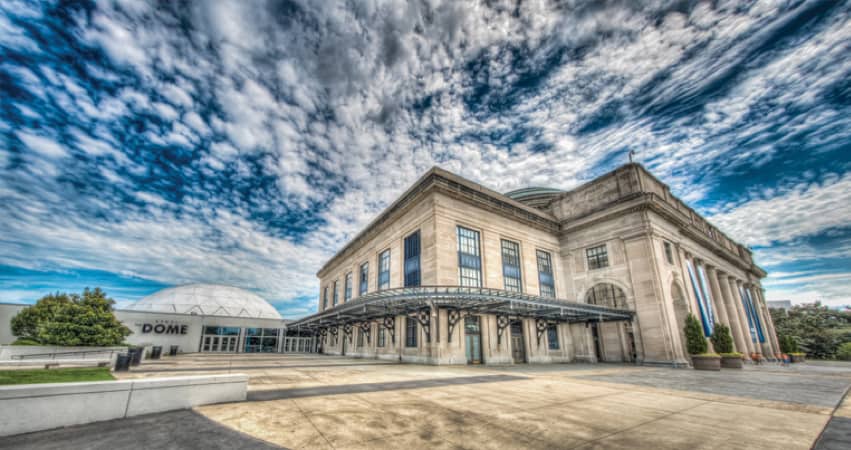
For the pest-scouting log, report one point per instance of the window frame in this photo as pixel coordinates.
(381, 341)
(466, 256)
(325, 298)
(596, 259)
(363, 287)
(381, 272)
(552, 331)
(413, 244)
(519, 265)
(411, 331)
(336, 293)
(668, 250)
(542, 284)
(347, 287)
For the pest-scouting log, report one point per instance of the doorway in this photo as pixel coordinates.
(473, 338)
(518, 344)
(219, 343)
(598, 347)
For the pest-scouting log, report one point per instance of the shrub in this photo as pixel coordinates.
(695, 342)
(844, 352)
(26, 341)
(788, 344)
(721, 338)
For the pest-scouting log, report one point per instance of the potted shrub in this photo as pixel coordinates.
(722, 340)
(789, 345)
(697, 347)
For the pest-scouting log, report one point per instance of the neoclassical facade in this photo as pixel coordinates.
(455, 273)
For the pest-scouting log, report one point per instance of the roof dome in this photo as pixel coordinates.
(536, 197)
(208, 300)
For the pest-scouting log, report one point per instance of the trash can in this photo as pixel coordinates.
(122, 362)
(172, 351)
(136, 355)
(156, 352)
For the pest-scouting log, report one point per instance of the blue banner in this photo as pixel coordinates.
(748, 313)
(705, 315)
(755, 316)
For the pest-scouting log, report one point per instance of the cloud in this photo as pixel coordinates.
(246, 141)
(802, 210)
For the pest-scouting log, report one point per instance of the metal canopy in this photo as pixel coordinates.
(405, 301)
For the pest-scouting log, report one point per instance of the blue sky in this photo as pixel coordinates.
(244, 142)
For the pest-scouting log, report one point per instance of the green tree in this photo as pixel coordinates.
(695, 342)
(844, 352)
(787, 344)
(63, 319)
(815, 328)
(721, 338)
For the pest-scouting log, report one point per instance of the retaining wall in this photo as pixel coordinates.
(34, 407)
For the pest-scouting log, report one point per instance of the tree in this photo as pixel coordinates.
(695, 342)
(62, 319)
(814, 328)
(721, 338)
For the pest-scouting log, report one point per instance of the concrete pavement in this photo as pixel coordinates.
(319, 402)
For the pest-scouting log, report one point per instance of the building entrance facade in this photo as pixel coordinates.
(220, 339)
(473, 338)
(518, 343)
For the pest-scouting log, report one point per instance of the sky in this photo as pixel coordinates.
(145, 145)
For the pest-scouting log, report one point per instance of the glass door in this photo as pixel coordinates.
(518, 345)
(473, 339)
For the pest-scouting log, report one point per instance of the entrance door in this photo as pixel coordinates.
(473, 338)
(215, 346)
(206, 347)
(595, 335)
(518, 345)
(344, 345)
(229, 344)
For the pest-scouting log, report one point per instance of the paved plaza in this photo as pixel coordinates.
(323, 402)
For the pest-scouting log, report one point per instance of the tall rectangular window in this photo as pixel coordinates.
(469, 257)
(552, 337)
(410, 332)
(381, 335)
(364, 278)
(412, 260)
(545, 274)
(384, 270)
(511, 266)
(598, 257)
(335, 294)
(348, 290)
(325, 298)
(669, 252)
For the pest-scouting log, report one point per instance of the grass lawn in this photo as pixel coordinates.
(66, 375)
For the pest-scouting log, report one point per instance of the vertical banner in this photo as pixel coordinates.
(755, 316)
(705, 315)
(707, 295)
(748, 313)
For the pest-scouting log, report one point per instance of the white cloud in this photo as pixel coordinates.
(803, 210)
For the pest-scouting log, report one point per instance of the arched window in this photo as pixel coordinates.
(606, 294)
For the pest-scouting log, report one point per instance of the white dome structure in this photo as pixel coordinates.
(207, 300)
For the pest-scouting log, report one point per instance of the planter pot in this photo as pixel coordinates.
(798, 358)
(731, 362)
(706, 362)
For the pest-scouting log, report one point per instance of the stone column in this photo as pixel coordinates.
(737, 300)
(733, 313)
(767, 348)
(772, 331)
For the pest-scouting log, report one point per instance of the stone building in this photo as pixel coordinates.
(453, 273)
